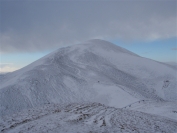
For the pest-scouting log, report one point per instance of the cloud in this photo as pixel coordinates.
(174, 49)
(7, 67)
(40, 25)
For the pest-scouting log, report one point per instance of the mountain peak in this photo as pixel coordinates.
(98, 41)
(98, 44)
(93, 71)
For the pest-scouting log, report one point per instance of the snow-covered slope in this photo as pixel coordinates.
(94, 71)
(166, 109)
(85, 118)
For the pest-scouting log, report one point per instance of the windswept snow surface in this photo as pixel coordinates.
(94, 71)
(166, 109)
(85, 118)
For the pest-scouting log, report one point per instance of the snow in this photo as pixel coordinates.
(90, 117)
(112, 95)
(94, 71)
(166, 109)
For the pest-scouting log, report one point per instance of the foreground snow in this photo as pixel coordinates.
(85, 118)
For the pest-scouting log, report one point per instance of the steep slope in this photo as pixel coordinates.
(95, 71)
(85, 118)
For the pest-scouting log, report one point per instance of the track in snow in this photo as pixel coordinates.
(90, 117)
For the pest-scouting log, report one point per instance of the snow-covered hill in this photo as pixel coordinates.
(85, 118)
(94, 71)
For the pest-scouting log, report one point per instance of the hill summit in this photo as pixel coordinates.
(93, 71)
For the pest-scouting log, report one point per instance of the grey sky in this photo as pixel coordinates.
(40, 25)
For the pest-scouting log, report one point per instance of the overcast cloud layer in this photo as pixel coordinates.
(36, 26)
